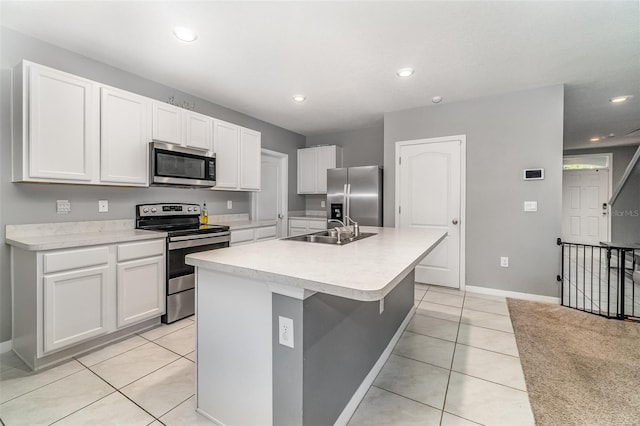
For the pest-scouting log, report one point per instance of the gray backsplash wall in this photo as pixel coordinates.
(363, 147)
(33, 203)
(505, 134)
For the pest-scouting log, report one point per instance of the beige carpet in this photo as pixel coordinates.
(580, 369)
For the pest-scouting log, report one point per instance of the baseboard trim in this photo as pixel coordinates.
(359, 394)
(5, 346)
(512, 294)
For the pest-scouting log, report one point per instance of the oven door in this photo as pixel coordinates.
(180, 276)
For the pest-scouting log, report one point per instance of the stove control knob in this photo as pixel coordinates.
(189, 209)
(153, 210)
(145, 210)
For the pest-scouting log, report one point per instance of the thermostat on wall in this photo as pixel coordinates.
(533, 174)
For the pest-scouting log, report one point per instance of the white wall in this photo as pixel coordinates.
(505, 134)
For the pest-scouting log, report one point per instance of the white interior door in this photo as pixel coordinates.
(429, 195)
(585, 194)
(272, 200)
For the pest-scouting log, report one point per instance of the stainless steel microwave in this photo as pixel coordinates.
(174, 165)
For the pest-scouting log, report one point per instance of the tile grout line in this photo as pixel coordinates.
(490, 381)
(446, 392)
(46, 384)
(406, 397)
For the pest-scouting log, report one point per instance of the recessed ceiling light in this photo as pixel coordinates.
(299, 98)
(436, 99)
(619, 99)
(595, 139)
(185, 34)
(612, 135)
(405, 72)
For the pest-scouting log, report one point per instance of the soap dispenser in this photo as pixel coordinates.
(204, 215)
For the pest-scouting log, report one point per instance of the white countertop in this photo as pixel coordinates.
(246, 224)
(51, 236)
(304, 217)
(364, 270)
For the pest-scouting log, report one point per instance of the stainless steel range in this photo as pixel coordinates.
(185, 236)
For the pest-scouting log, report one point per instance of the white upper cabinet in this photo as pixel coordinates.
(197, 128)
(237, 152)
(226, 140)
(312, 167)
(68, 129)
(250, 146)
(56, 127)
(125, 121)
(167, 123)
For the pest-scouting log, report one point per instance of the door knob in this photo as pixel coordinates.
(454, 221)
(280, 216)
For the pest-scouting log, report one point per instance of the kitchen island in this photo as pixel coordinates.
(347, 306)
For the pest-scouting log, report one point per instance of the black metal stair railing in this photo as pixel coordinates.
(599, 279)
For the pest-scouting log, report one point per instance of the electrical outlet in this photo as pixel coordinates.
(285, 331)
(63, 206)
(504, 262)
(229, 204)
(103, 206)
(381, 306)
(530, 206)
(323, 204)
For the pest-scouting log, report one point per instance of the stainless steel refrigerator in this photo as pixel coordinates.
(361, 188)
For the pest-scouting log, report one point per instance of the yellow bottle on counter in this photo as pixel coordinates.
(204, 215)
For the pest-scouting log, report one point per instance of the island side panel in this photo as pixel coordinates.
(287, 363)
(234, 351)
(343, 339)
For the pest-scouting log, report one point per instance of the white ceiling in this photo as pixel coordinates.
(252, 56)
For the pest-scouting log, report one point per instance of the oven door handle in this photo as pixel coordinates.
(198, 236)
(197, 242)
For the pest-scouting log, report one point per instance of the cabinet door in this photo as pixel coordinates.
(226, 138)
(250, 159)
(167, 123)
(242, 236)
(306, 171)
(141, 290)
(125, 129)
(325, 159)
(75, 306)
(63, 126)
(197, 131)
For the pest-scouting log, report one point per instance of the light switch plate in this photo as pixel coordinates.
(229, 204)
(504, 262)
(530, 206)
(103, 206)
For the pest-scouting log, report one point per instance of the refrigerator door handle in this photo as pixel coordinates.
(348, 206)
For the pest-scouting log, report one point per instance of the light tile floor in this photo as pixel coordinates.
(456, 364)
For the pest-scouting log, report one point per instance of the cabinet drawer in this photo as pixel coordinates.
(75, 259)
(317, 224)
(266, 232)
(141, 249)
(297, 223)
(242, 235)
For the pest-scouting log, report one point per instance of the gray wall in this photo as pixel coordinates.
(621, 157)
(505, 134)
(625, 211)
(32, 203)
(363, 147)
(313, 382)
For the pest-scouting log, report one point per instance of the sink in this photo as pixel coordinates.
(328, 237)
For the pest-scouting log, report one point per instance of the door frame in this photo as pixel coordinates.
(255, 196)
(463, 191)
(609, 155)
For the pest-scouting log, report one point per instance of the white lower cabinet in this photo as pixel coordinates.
(304, 226)
(140, 290)
(253, 235)
(68, 297)
(75, 306)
